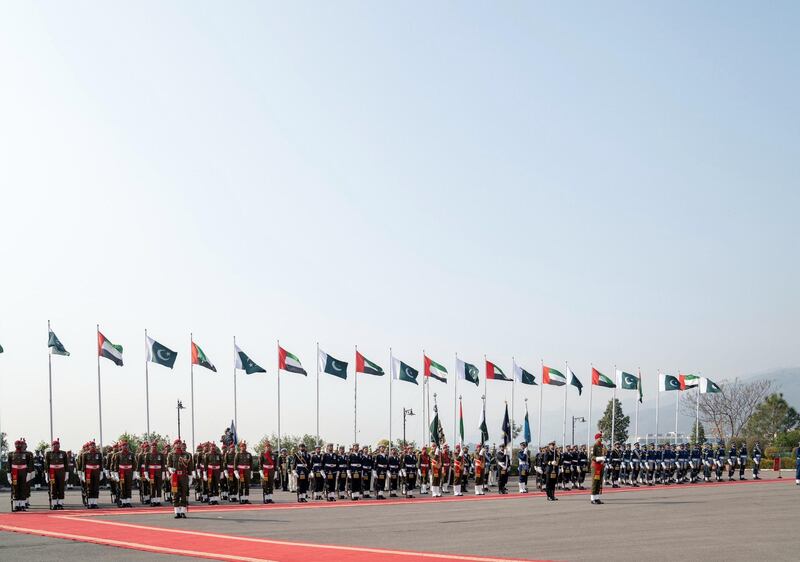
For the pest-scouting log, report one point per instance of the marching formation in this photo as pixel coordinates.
(227, 473)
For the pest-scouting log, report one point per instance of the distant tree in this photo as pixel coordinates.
(698, 436)
(787, 440)
(771, 417)
(3, 445)
(42, 446)
(621, 422)
(727, 412)
(162, 440)
(288, 442)
(133, 441)
(516, 429)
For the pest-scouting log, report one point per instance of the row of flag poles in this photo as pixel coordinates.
(159, 354)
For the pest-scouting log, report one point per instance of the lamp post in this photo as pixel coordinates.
(406, 412)
(580, 419)
(180, 407)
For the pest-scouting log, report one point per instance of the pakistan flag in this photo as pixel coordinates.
(161, 354)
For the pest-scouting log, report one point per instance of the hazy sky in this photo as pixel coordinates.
(582, 182)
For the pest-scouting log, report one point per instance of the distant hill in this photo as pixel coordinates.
(786, 381)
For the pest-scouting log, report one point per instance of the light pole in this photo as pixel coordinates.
(580, 419)
(406, 412)
(180, 407)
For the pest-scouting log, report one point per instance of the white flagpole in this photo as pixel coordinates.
(455, 396)
(50, 380)
(235, 405)
(614, 409)
(539, 425)
(99, 393)
(191, 379)
(424, 388)
(697, 413)
(391, 376)
(677, 397)
(146, 382)
(317, 363)
(637, 406)
(513, 382)
(589, 423)
(564, 430)
(278, 373)
(485, 385)
(658, 403)
(355, 400)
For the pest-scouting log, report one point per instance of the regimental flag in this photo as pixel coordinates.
(708, 386)
(331, 365)
(108, 350)
(1, 349)
(461, 421)
(437, 433)
(289, 362)
(244, 363)
(523, 376)
(627, 381)
(161, 354)
(199, 358)
(433, 369)
(364, 365)
(639, 382)
(506, 428)
(599, 379)
(527, 428)
(553, 377)
(668, 382)
(483, 427)
(55, 345)
(573, 380)
(688, 381)
(233, 432)
(495, 373)
(404, 372)
(467, 371)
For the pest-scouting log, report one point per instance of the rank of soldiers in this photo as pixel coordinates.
(224, 474)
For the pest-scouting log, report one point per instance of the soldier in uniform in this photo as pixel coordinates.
(566, 468)
(436, 471)
(166, 480)
(742, 460)
(695, 463)
(181, 469)
(213, 472)
(458, 469)
(266, 465)
(316, 471)
(719, 461)
(480, 471)
(615, 461)
(141, 462)
(501, 458)
(424, 471)
(154, 463)
(72, 471)
(446, 467)
(524, 464)
(20, 472)
(394, 470)
(354, 472)
(92, 463)
(598, 459)
(797, 465)
(223, 479)
(552, 463)
(230, 473)
(243, 467)
(409, 469)
(342, 464)
(330, 466)
(381, 467)
(55, 466)
(199, 470)
(124, 470)
(283, 463)
(583, 467)
(757, 454)
(38, 470)
(366, 471)
(733, 459)
(300, 465)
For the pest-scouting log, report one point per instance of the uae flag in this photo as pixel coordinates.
(573, 380)
(553, 377)
(688, 381)
(331, 365)
(244, 363)
(404, 372)
(495, 373)
(523, 376)
(627, 381)
(199, 358)
(160, 354)
(668, 382)
(599, 379)
(467, 371)
(708, 386)
(433, 369)
(108, 350)
(55, 345)
(289, 362)
(364, 365)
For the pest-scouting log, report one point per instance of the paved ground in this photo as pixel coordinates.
(737, 521)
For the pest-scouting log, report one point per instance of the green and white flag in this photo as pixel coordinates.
(55, 345)
(403, 372)
(437, 433)
(483, 427)
(523, 376)
(574, 381)
(467, 372)
(627, 381)
(160, 354)
(1, 349)
(108, 350)
(331, 365)
(708, 386)
(244, 363)
(668, 382)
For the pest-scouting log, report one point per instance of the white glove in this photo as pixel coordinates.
(236, 474)
(205, 477)
(105, 473)
(31, 476)
(136, 475)
(191, 479)
(349, 474)
(47, 477)
(539, 469)
(115, 476)
(374, 473)
(9, 477)
(225, 473)
(81, 475)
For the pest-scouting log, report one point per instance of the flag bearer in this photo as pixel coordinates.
(55, 472)
(155, 463)
(598, 458)
(552, 463)
(125, 469)
(20, 472)
(330, 466)
(266, 464)
(181, 467)
(523, 460)
(300, 465)
(424, 464)
(243, 467)
(381, 465)
(501, 459)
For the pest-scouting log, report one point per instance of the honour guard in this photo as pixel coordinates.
(199, 471)
(20, 472)
(501, 458)
(300, 465)
(583, 466)
(125, 469)
(55, 472)
(230, 469)
(424, 471)
(742, 460)
(141, 463)
(223, 479)
(381, 467)
(757, 454)
(154, 467)
(91, 463)
(797, 465)
(394, 469)
(342, 462)
(566, 468)
(180, 468)
(719, 461)
(366, 471)
(480, 471)
(409, 464)
(523, 461)
(552, 463)
(167, 482)
(354, 472)
(243, 467)
(446, 467)
(598, 459)
(330, 466)
(458, 469)
(733, 458)
(436, 471)
(266, 465)
(213, 471)
(283, 464)
(695, 463)
(316, 471)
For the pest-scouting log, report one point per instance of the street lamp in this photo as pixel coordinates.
(180, 407)
(580, 419)
(406, 412)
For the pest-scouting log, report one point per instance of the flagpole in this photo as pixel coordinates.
(235, 405)
(677, 396)
(513, 382)
(485, 383)
(317, 363)
(355, 400)
(191, 379)
(50, 380)
(539, 425)
(278, 372)
(564, 430)
(658, 403)
(147, 382)
(637, 405)
(99, 393)
(391, 376)
(424, 388)
(614, 410)
(697, 414)
(589, 424)
(455, 394)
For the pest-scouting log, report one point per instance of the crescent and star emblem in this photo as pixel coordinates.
(335, 365)
(162, 354)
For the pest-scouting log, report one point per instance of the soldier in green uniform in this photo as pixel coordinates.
(55, 472)
(92, 465)
(125, 469)
(154, 465)
(243, 465)
(20, 472)
(108, 456)
(230, 473)
(31, 473)
(213, 468)
(598, 458)
(266, 465)
(141, 463)
(199, 470)
(180, 467)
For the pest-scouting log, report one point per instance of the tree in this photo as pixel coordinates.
(516, 429)
(42, 446)
(773, 416)
(787, 440)
(728, 411)
(698, 436)
(289, 442)
(621, 422)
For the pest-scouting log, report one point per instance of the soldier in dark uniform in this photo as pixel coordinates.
(167, 481)
(55, 466)
(480, 471)
(381, 466)
(742, 460)
(566, 468)
(539, 468)
(283, 463)
(797, 465)
(447, 462)
(243, 467)
(230, 470)
(394, 472)
(316, 472)
(733, 459)
(125, 470)
(598, 458)
(154, 464)
(109, 452)
(32, 474)
(424, 464)
(409, 470)
(757, 454)
(354, 472)
(615, 461)
(719, 461)
(552, 463)
(141, 463)
(181, 468)
(524, 465)
(367, 464)
(681, 463)
(695, 463)
(20, 472)
(300, 465)
(92, 463)
(502, 469)
(342, 463)
(72, 471)
(38, 470)
(266, 465)
(330, 466)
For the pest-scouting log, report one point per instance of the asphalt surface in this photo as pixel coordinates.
(747, 521)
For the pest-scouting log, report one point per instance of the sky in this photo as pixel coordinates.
(571, 182)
